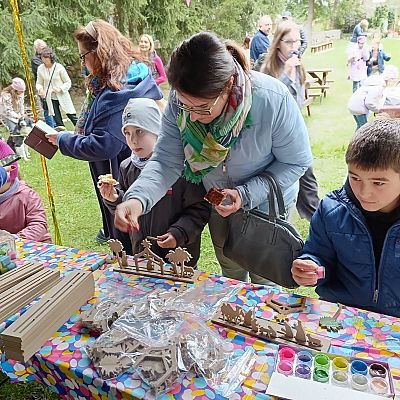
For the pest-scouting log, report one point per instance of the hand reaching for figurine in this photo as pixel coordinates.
(108, 192)
(167, 241)
(305, 272)
(127, 215)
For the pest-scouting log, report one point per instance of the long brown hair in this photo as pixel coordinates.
(114, 52)
(146, 57)
(14, 95)
(202, 65)
(272, 64)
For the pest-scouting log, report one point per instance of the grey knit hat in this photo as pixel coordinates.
(143, 113)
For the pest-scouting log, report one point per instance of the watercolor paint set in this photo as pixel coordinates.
(305, 374)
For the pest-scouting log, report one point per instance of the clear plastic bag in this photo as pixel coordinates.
(113, 353)
(203, 299)
(112, 304)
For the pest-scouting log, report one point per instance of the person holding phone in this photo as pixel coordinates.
(283, 61)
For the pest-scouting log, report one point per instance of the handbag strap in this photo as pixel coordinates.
(51, 77)
(275, 192)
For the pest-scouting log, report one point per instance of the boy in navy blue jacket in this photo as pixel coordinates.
(355, 233)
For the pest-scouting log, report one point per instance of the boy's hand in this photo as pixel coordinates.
(108, 192)
(304, 272)
(166, 241)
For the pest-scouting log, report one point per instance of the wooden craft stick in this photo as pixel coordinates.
(26, 335)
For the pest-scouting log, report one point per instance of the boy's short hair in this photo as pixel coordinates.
(376, 145)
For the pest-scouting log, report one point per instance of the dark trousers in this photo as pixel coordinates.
(58, 117)
(360, 120)
(307, 200)
(47, 117)
(101, 168)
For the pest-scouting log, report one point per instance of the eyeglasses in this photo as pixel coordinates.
(291, 42)
(199, 111)
(82, 56)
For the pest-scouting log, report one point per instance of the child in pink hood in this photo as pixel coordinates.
(357, 58)
(21, 210)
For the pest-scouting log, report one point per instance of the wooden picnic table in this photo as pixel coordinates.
(307, 98)
(321, 74)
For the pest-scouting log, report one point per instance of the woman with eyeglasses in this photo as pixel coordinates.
(53, 84)
(223, 126)
(115, 76)
(284, 63)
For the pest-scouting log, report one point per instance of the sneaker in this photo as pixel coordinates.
(60, 128)
(101, 237)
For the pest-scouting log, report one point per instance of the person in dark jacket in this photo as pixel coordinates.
(39, 45)
(180, 216)
(115, 77)
(287, 16)
(355, 232)
(359, 30)
(377, 58)
(260, 42)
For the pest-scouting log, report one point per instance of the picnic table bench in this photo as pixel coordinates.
(318, 47)
(322, 84)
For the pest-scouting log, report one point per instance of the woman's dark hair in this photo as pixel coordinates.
(202, 65)
(48, 53)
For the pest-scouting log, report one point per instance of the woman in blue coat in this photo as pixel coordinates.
(115, 77)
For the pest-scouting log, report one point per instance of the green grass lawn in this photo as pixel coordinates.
(330, 127)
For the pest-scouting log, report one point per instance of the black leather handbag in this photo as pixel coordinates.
(265, 244)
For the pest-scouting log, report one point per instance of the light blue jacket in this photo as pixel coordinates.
(276, 140)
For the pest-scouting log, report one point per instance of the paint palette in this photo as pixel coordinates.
(305, 374)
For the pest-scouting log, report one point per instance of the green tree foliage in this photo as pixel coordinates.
(169, 21)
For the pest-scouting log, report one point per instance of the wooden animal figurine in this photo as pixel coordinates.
(151, 257)
(300, 334)
(287, 331)
(313, 341)
(331, 324)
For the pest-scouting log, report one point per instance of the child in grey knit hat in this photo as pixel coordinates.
(180, 216)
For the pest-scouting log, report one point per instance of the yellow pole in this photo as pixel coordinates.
(18, 30)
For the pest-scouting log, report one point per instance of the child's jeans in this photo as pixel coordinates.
(360, 120)
(356, 85)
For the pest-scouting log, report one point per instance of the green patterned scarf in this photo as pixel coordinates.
(207, 145)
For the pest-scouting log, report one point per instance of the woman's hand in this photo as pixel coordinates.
(52, 138)
(235, 203)
(166, 241)
(56, 90)
(127, 215)
(304, 272)
(291, 63)
(108, 192)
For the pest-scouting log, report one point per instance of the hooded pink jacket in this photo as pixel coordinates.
(23, 214)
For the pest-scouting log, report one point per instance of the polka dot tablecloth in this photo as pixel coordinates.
(63, 365)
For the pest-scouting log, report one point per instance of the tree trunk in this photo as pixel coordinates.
(310, 17)
(333, 14)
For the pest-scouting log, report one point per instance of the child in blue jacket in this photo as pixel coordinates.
(377, 58)
(355, 233)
